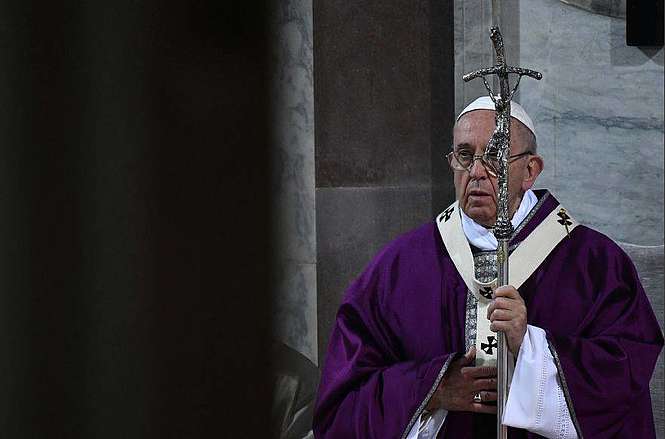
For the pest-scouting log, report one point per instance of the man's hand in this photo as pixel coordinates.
(507, 312)
(461, 383)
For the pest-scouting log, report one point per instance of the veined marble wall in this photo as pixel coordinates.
(473, 19)
(293, 215)
(598, 109)
(599, 118)
(473, 48)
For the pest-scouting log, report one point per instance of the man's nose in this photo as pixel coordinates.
(477, 169)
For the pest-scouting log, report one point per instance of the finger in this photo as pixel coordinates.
(510, 327)
(501, 326)
(484, 384)
(511, 305)
(490, 309)
(502, 315)
(468, 357)
(479, 372)
(479, 407)
(507, 291)
(502, 303)
(488, 396)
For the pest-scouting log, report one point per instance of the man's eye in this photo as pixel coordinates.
(465, 154)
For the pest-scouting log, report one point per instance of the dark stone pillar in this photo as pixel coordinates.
(383, 94)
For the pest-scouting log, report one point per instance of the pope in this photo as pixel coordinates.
(413, 350)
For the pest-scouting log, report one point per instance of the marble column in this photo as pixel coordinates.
(293, 212)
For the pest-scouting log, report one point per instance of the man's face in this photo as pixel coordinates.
(476, 189)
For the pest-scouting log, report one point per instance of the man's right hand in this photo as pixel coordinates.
(461, 383)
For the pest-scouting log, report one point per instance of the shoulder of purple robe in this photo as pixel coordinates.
(607, 339)
(368, 388)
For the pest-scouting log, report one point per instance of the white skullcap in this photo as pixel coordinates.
(486, 103)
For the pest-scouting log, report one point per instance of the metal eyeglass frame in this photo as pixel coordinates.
(483, 160)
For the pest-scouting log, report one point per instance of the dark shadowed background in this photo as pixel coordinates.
(133, 163)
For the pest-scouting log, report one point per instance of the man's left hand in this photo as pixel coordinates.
(507, 312)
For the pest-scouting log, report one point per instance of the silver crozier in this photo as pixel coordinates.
(499, 144)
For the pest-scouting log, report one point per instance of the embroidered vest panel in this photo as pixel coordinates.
(485, 271)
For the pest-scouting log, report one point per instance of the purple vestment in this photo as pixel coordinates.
(402, 321)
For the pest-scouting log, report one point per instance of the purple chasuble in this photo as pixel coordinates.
(402, 321)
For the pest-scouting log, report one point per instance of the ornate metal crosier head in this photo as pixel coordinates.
(497, 152)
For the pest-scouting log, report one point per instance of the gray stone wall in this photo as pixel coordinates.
(473, 48)
(599, 118)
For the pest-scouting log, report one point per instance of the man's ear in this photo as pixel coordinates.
(533, 170)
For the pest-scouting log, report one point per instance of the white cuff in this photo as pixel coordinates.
(428, 425)
(536, 401)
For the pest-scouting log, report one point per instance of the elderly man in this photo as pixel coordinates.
(413, 350)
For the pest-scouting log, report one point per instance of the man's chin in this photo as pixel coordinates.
(481, 215)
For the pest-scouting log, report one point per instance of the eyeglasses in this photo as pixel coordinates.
(463, 160)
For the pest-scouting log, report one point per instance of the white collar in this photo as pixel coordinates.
(483, 238)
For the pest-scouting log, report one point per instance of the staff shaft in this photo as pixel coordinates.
(504, 357)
